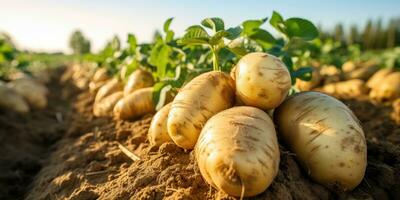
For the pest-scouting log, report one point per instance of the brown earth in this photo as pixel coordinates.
(88, 164)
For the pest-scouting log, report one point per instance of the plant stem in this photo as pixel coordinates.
(215, 52)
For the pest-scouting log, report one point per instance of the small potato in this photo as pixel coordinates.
(100, 74)
(196, 102)
(12, 100)
(158, 132)
(95, 86)
(363, 73)
(262, 80)
(378, 77)
(388, 89)
(396, 111)
(349, 66)
(313, 83)
(135, 105)
(137, 80)
(237, 151)
(108, 88)
(33, 92)
(350, 88)
(331, 74)
(326, 137)
(105, 106)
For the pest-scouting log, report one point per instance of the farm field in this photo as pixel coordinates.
(270, 108)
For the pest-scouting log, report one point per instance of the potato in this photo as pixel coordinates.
(237, 151)
(349, 66)
(100, 74)
(33, 92)
(350, 88)
(135, 105)
(378, 77)
(396, 111)
(388, 89)
(95, 86)
(326, 137)
(12, 100)
(363, 73)
(105, 106)
(196, 102)
(138, 79)
(158, 133)
(110, 87)
(331, 74)
(313, 83)
(262, 80)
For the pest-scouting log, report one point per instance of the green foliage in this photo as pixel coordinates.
(78, 43)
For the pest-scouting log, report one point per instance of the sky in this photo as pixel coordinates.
(45, 25)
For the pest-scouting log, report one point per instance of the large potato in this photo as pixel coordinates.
(137, 80)
(158, 133)
(237, 151)
(135, 105)
(196, 102)
(262, 80)
(326, 137)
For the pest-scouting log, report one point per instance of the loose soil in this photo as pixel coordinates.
(87, 163)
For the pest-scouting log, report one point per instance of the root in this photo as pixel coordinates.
(128, 153)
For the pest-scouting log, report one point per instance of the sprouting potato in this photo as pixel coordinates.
(137, 80)
(237, 151)
(262, 80)
(135, 105)
(196, 102)
(326, 137)
(158, 132)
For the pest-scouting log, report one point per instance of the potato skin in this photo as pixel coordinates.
(158, 133)
(12, 100)
(196, 102)
(262, 80)
(108, 88)
(33, 92)
(238, 147)
(105, 106)
(378, 77)
(326, 137)
(350, 88)
(388, 89)
(138, 79)
(135, 104)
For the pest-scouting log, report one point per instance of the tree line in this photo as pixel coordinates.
(374, 35)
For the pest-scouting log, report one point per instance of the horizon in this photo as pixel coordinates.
(46, 25)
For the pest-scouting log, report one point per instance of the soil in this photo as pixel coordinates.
(80, 158)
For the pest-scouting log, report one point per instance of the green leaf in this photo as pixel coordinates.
(233, 33)
(263, 37)
(216, 39)
(167, 24)
(288, 62)
(238, 50)
(276, 21)
(250, 25)
(304, 73)
(297, 27)
(170, 36)
(195, 35)
(132, 42)
(215, 23)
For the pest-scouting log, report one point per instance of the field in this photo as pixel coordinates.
(71, 149)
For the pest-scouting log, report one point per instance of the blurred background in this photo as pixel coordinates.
(44, 25)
